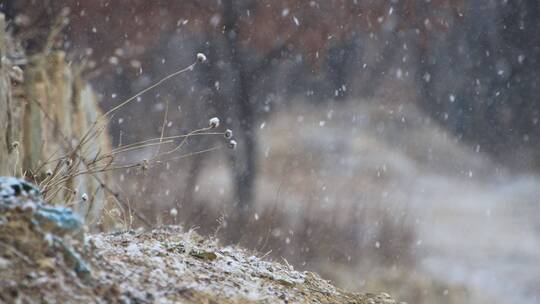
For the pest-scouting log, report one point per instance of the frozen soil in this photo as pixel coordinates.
(165, 265)
(45, 257)
(169, 266)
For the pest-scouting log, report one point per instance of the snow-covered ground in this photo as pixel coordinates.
(477, 224)
(485, 234)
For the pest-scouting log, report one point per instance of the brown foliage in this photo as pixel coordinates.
(309, 27)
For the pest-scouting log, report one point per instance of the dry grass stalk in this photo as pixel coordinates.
(79, 159)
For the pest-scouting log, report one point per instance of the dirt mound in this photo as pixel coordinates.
(46, 256)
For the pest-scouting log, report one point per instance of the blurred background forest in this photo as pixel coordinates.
(389, 145)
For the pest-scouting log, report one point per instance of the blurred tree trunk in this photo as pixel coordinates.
(246, 168)
(244, 160)
(244, 111)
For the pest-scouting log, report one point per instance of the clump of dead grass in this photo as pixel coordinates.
(308, 240)
(55, 174)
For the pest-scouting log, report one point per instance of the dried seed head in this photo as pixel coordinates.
(144, 165)
(201, 58)
(17, 74)
(232, 144)
(115, 213)
(48, 172)
(84, 197)
(213, 122)
(228, 134)
(173, 212)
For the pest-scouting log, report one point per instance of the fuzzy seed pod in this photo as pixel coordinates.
(213, 122)
(201, 58)
(228, 134)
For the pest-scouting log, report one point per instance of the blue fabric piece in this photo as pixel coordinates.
(48, 220)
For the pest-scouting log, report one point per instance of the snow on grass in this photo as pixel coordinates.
(173, 266)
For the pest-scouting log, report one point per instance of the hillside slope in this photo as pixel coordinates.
(173, 266)
(45, 256)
